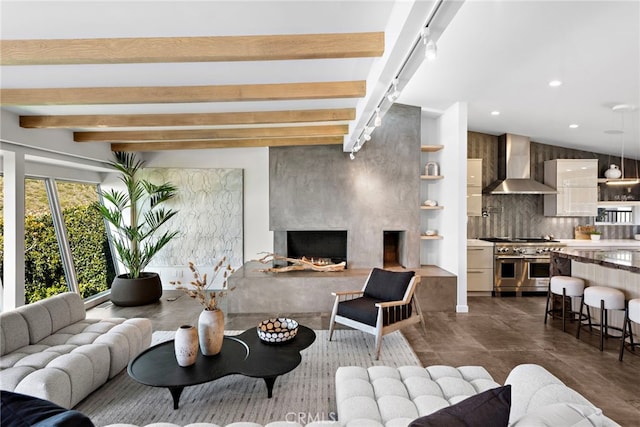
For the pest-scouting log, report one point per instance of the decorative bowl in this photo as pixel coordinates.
(636, 236)
(277, 330)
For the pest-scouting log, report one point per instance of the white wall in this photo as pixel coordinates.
(255, 163)
(449, 130)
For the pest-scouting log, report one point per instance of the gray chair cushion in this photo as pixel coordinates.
(386, 285)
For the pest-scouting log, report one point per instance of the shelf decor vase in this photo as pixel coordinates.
(211, 331)
(432, 169)
(613, 172)
(186, 345)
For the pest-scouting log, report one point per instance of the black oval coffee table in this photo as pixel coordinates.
(243, 354)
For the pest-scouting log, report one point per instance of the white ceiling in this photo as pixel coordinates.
(495, 55)
(500, 55)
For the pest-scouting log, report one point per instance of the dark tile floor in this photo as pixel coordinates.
(497, 333)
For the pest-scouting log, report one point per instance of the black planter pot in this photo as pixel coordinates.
(127, 292)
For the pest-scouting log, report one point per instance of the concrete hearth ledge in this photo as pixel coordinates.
(310, 291)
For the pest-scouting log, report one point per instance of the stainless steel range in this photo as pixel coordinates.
(522, 264)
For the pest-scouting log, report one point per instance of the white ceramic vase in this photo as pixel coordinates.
(186, 345)
(211, 331)
(613, 172)
(595, 237)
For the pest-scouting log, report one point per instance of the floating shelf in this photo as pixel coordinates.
(431, 207)
(619, 203)
(431, 148)
(431, 177)
(605, 180)
(436, 237)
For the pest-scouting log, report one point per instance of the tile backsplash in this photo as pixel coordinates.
(522, 215)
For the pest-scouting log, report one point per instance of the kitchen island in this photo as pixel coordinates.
(615, 268)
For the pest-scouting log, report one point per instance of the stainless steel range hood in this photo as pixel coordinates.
(514, 168)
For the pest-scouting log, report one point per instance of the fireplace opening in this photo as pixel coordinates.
(393, 244)
(318, 244)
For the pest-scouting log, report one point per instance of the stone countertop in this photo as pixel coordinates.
(602, 243)
(620, 259)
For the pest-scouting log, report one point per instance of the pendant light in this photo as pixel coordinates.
(622, 180)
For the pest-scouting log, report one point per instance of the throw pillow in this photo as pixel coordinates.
(19, 410)
(489, 408)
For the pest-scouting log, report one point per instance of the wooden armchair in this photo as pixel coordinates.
(385, 304)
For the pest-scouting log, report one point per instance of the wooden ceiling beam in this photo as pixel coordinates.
(226, 143)
(191, 49)
(195, 134)
(186, 119)
(182, 94)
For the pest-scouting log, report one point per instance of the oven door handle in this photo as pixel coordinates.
(501, 257)
(538, 259)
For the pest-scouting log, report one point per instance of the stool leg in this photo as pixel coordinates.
(589, 319)
(624, 332)
(546, 310)
(603, 324)
(580, 318)
(564, 320)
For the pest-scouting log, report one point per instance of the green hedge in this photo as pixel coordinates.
(44, 274)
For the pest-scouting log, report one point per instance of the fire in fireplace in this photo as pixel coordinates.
(318, 244)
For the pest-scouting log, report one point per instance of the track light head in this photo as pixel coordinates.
(394, 93)
(352, 156)
(377, 122)
(430, 47)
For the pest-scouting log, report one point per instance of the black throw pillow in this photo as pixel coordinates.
(19, 410)
(487, 409)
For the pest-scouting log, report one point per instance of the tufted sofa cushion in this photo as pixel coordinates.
(387, 396)
(239, 424)
(536, 393)
(50, 350)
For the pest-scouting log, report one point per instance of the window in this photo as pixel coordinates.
(43, 270)
(72, 228)
(87, 236)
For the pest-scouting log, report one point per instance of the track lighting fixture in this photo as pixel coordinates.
(366, 137)
(430, 48)
(352, 156)
(377, 122)
(394, 93)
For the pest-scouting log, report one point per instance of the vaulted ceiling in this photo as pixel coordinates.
(147, 76)
(163, 75)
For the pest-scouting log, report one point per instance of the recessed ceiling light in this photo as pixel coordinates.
(495, 113)
(574, 125)
(555, 83)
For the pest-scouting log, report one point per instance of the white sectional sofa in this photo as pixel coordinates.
(394, 397)
(382, 396)
(50, 350)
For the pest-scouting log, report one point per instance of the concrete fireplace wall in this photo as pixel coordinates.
(320, 188)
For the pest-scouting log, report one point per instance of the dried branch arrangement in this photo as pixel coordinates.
(200, 290)
(298, 264)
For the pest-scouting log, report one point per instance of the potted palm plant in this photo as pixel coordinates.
(136, 216)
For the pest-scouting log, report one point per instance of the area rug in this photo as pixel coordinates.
(305, 394)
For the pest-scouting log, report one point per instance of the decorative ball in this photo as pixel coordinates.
(277, 330)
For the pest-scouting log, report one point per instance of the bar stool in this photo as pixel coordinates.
(605, 299)
(632, 314)
(566, 286)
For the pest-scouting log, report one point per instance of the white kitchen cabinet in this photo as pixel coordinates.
(474, 187)
(577, 183)
(480, 268)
